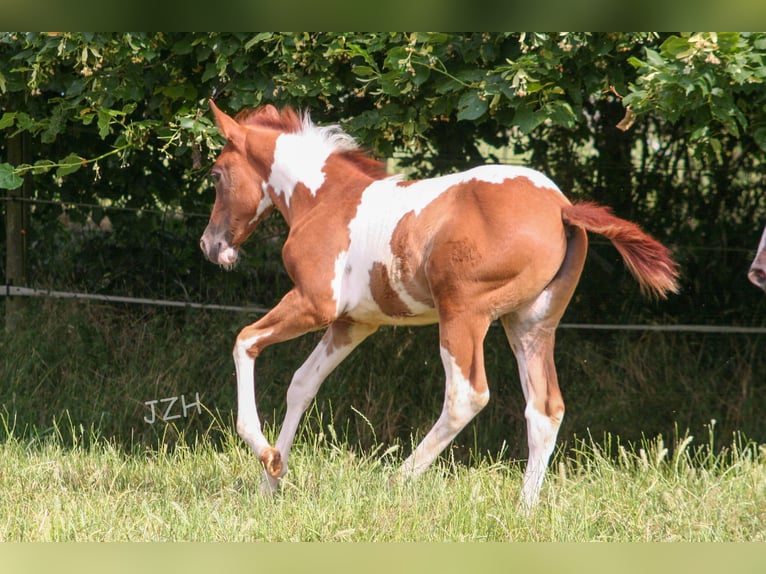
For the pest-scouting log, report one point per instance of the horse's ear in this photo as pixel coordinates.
(269, 114)
(228, 126)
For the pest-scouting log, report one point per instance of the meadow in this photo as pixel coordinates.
(86, 488)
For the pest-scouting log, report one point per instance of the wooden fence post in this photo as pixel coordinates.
(16, 222)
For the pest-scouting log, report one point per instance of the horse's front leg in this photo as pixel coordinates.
(341, 338)
(292, 317)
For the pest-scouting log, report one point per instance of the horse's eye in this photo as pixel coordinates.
(216, 175)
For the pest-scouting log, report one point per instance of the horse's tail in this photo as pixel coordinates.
(647, 259)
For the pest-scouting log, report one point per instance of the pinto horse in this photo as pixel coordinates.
(757, 272)
(366, 249)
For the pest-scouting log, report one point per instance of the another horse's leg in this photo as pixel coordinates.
(292, 317)
(461, 343)
(533, 346)
(757, 272)
(339, 340)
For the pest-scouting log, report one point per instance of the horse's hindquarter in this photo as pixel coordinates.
(502, 248)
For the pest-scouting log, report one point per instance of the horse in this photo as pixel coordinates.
(757, 271)
(366, 249)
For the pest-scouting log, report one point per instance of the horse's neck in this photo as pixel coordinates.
(335, 186)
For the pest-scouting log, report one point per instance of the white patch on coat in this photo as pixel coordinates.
(462, 400)
(383, 204)
(300, 157)
(540, 307)
(497, 173)
(263, 205)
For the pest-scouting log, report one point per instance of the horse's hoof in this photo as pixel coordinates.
(272, 462)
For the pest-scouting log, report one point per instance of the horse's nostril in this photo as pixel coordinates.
(757, 275)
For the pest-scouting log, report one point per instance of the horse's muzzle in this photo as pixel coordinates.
(757, 276)
(219, 252)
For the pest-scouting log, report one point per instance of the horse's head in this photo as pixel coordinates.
(240, 198)
(757, 273)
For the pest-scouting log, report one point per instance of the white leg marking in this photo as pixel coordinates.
(461, 404)
(533, 348)
(327, 355)
(541, 436)
(248, 423)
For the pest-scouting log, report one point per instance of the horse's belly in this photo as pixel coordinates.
(376, 316)
(378, 292)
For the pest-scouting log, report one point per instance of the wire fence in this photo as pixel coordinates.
(15, 291)
(64, 205)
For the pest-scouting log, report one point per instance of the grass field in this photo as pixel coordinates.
(103, 474)
(88, 489)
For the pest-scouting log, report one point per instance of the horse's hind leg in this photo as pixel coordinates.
(461, 345)
(533, 347)
(532, 335)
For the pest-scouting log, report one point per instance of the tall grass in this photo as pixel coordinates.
(100, 365)
(75, 485)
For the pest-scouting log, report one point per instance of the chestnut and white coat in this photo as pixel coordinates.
(366, 249)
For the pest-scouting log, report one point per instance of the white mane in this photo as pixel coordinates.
(332, 136)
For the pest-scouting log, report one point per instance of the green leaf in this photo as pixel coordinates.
(388, 83)
(728, 41)
(7, 120)
(395, 57)
(8, 177)
(422, 73)
(527, 119)
(446, 84)
(635, 62)
(654, 58)
(72, 163)
(432, 37)
(363, 71)
(104, 119)
(42, 166)
(674, 47)
(258, 38)
(759, 135)
(560, 113)
(471, 106)
(182, 47)
(211, 71)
